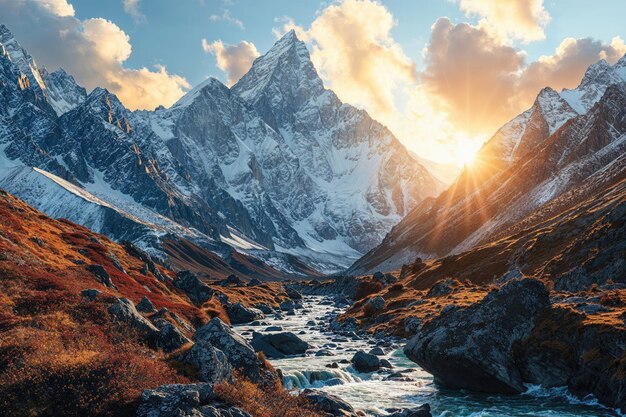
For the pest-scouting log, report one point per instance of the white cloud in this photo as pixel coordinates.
(227, 17)
(519, 19)
(233, 60)
(132, 8)
(93, 50)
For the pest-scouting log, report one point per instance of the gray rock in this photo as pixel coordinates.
(443, 287)
(274, 329)
(421, 411)
(170, 338)
(238, 314)
(376, 303)
(146, 306)
(278, 345)
(254, 282)
(472, 348)
(212, 364)
(328, 403)
(177, 400)
(124, 311)
(365, 362)
(266, 309)
(378, 351)
(232, 280)
(292, 293)
(287, 305)
(91, 294)
(197, 291)
(102, 275)
(412, 325)
(239, 352)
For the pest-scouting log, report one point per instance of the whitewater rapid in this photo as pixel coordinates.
(374, 394)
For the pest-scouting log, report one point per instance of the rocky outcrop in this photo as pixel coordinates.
(124, 311)
(472, 348)
(212, 364)
(102, 275)
(329, 404)
(279, 345)
(146, 306)
(239, 314)
(421, 411)
(197, 291)
(170, 338)
(238, 351)
(177, 400)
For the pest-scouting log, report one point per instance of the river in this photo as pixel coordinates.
(373, 393)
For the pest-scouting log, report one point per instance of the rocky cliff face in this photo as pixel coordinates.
(276, 167)
(548, 154)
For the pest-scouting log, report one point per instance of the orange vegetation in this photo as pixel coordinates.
(265, 401)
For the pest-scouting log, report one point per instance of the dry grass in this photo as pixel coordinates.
(269, 401)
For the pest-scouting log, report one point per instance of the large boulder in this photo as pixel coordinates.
(365, 362)
(211, 363)
(277, 345)
(197, 291)
(329, 404)
(178, 400)
(124, 311)
(472, 348)
(170, 338)
(292, 293)
(238, 351)
(238, 314)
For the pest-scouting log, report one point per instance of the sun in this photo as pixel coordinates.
(466, 150)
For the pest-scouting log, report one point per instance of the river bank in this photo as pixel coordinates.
(406, 385)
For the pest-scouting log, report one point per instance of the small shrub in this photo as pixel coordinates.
(269, 401)
(367, 288)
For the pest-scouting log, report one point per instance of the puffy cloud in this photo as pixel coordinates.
(471, 74)
(353, 49)
(58, 7)
(566, 67)
(93, 50)
(227, 17)
(234, 60)
(519, 19)
(132, 8)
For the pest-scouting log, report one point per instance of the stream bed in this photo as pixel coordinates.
(373, 393)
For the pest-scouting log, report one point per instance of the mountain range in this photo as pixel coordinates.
(274, 177)
(543, 166)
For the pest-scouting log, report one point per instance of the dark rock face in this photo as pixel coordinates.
(197, 291)
(91, 294)
(472, 348)
(211, 363)
(170, 338)
(564, 349)
(177, 400)
(292, 293)
(239, 352)
(124, 311)
(102, 275)
(365, 362)
(328, 403)
(238, 314)
(376, 304)
(278, 345)
(146, 306)
(444, 287)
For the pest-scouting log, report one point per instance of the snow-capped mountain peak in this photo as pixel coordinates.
(595, 81)
(63, 93)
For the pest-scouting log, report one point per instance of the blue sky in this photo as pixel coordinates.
(172, 29)
(443, 75)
